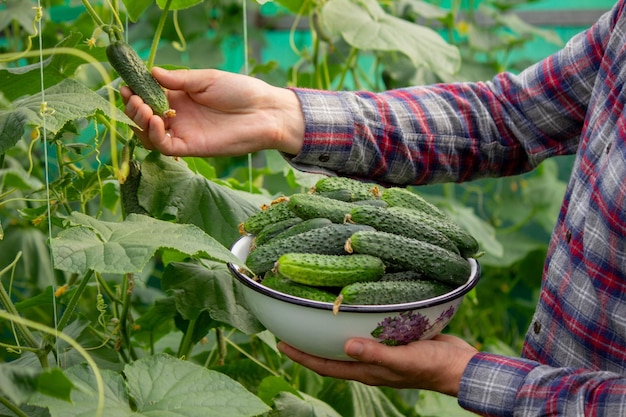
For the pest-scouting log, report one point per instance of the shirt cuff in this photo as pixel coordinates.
(490, 383)
(329, 131)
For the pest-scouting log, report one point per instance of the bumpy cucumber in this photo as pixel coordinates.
(274, 229)
(467, 245)
(358, 190)
(130, 188)
(401, 197)
(310, 206)
(432, 261)
(328, 240)
(134, 72)
(401, 224)
(402, 276)
(329, 270)
(391, 292)
(276, 212)
(304, 226)
(287, 286)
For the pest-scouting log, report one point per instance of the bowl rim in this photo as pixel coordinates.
(456, 293)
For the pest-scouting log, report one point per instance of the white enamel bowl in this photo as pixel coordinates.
(311, 326)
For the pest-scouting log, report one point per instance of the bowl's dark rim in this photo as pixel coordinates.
(381, 308)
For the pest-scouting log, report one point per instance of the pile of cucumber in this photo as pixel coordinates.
(352, 242)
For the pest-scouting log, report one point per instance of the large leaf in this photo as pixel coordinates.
(354, 399)
(170, 190)
(164, 386)
(178, 4)
(160, 386)
(135, 8)
(26, 80)
(291, 405)
(84, 398)
(208, 287)
(366, 26)
(127, 246)
(66, 101)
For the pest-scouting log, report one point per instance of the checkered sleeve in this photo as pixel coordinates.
(494, 385)
(456, 131)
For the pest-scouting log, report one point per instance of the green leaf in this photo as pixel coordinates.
(178, 4)
(169, 190)
(434, 404)
(366, 26)
(54, 383)
(271, 386)
(291, 405)
(354, 399)
(17, 383)
(164, 386)
(127, 246)
(135, 8)
(68, 100)
(84, 397)
(19, 11)
(26, 80)
(208, 287)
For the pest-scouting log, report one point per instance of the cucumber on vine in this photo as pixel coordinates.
(135, 74)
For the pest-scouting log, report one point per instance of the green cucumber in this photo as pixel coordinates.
(135, 74)
(402, 276)
(304, 226)
(328, 240)
(432, 261)
(275, 212)
(391, 292)
(401, 224)
(329, 270)
(274, 229)
(308, 206)
(401, 197)
(467, 245)
(287, 286)
(358, 190)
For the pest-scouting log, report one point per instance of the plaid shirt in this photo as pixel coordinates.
(574, 357)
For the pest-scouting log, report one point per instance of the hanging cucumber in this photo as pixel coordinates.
(134, 72)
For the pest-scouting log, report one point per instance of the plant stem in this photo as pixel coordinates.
(5, 300)
(185, 345)
(74, 301)
(157, 34)
(12, 407)
(346, 70)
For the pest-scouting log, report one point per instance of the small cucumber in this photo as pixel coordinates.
(275, 212)
(308, 206)
(467, 245)
(329, 270)
(134, 72)
(432, 261)
(401, 224)
(401, 197)
(391, 292)
(274, 229)
(358, 190)
(328, 240)
(287, 286)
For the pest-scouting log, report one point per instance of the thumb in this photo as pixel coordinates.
(170, 79)
(366, 350)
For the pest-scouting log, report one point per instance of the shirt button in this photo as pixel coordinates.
(568, 236)
(536, 327)
(324, 157)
